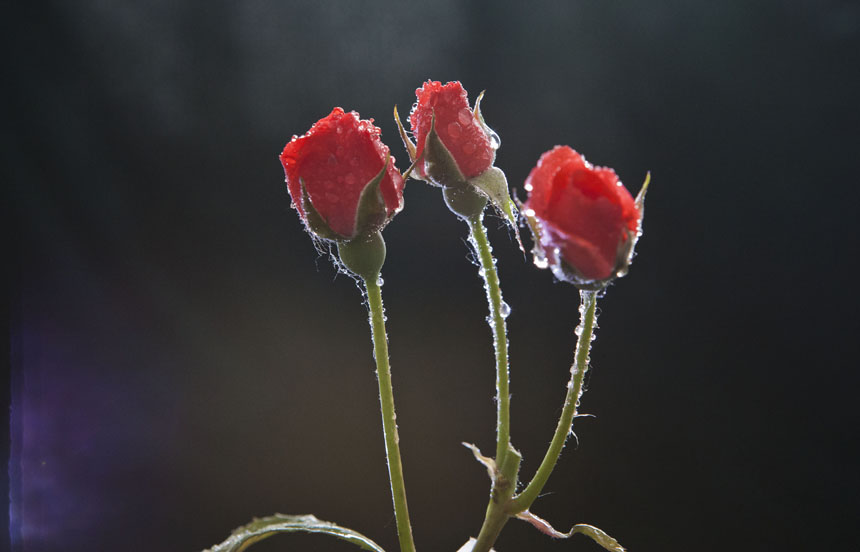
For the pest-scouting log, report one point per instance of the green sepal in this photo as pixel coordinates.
(314, 220)
(640, 197)
(534, 226)
(597, 535)
(439, 165)
(262, 528)
(494, 185)
(495, 141)
(371, 212)
(407, 143)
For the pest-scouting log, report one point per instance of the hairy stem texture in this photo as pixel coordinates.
(389, 418)
(585, 331)
(498, 313)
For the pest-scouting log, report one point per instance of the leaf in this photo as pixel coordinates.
(494, 185)
(262, 528)
(596, 534)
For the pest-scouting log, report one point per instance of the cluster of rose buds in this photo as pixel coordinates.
(345, 186)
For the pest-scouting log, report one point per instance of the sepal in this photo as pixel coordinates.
(494, 185)
(407, 143)
(314, 220)
(372, 212)
(495, 141)
(440, 167)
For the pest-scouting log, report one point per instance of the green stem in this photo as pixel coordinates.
(504, 485)
(500, 339)
(585, 329)
(389, 423)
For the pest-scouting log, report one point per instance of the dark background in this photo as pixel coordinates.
(183, 360)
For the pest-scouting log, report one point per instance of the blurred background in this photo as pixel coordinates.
(183, 360)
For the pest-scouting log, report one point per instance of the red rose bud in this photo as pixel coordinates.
(341, 177)
(445, 108)
(584, 220)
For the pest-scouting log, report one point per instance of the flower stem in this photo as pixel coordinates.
(585, 331)
(500, 339)
(389, 418)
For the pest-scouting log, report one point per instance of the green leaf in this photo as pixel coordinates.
(262, 528)
(494, 185)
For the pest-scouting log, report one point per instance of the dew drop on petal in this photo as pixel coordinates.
(465, 116)
(332, 197)
(454, 130)
(332, 160)
(353, 161)
(469, 148)
(350, 179)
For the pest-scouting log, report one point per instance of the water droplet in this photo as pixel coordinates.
(353, 161)
(340, 130)
(504, 310)
(454, 130)
(362, 127)
(495, 141)
(340, 148)
(540, 260)
(332, 197)
(332, 160)
(465, 116)
(350, 179)
(469, 148)
(294, 138)
(380, 281)
(529, 187)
